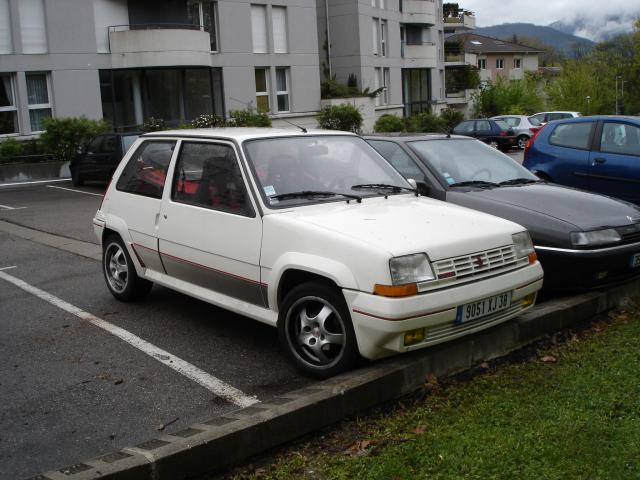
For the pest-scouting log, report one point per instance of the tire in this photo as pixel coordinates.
(76, 179)
(315, 329)
(120, 273)
(522, 141)
(493, 144)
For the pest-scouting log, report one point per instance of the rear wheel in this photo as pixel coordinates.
(120, 273)
(522, 141)
(315, 330)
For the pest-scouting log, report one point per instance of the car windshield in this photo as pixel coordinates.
(310, 169)
(458, 161)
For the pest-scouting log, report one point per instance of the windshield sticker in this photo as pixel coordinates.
(269, 190)
(450, 181)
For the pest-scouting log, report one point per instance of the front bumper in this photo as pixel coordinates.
(586, 269)
(381, 322)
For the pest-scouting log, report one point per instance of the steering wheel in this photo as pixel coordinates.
(481, 172)
(344, 183)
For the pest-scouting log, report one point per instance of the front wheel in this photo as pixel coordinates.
(522, 141)
(315, 330)
(120, 273)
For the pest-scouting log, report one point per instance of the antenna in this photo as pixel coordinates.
(248, 105)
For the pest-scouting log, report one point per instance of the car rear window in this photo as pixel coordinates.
(572, 135)
(511, 121)
(146, 170)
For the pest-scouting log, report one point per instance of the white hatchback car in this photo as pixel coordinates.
(312, 232)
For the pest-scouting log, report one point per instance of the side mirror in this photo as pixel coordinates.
(413, 183)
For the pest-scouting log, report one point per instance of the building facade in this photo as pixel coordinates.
(396, 45)
(126, 61)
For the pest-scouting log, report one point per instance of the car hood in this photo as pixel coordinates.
(404, 224)
(584, 210)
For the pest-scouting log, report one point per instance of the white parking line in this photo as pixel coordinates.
(6, 207)
(192, 372)
(34, 182)
(7, 268)
(77, 191)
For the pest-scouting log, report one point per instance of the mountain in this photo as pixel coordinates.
(560, 40)
(599, 29)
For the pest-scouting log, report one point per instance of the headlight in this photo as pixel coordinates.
(523, 244)
(410, 269)
(596, 237)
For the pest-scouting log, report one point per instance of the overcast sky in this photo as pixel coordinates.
(599, 17)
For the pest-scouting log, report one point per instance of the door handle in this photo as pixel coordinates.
(599, 160)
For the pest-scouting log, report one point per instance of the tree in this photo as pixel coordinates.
(515, 97)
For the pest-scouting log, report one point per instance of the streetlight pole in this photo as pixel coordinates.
(617, 109)
(588, 104)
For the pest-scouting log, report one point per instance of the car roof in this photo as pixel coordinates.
(498, 117)
(241, 134)
(410, 137)
(596, 118)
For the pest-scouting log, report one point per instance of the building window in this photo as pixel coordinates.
(377, 83)
(376, 38)
(262, 90)
(279, 23)
(38, 99)
(386, 78)
(32, 26)
(381, 80)
(482, 63)
(8, 109)
(282, 89)
(6, 45)
(383, 38)
(203, 14)
(381, 4)
(517, 63)
(499, 63)
(259, 28)
(416, 90)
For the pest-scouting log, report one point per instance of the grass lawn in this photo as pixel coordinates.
(570, 411)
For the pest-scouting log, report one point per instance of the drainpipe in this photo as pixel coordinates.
(326, 7)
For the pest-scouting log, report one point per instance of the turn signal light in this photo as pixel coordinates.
(528, 300)
(413, 336)
(396, 290)
(533, 257)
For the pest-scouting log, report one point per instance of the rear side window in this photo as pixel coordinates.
(208, 175)
(483, 126)
(620, 138)
(109, 144)
(572, 135)
(396, 156)
(146, 171)
(511, 121)
(464, 127)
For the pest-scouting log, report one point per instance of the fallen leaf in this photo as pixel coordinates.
(420, 429)
(165, 425)
(549, 359)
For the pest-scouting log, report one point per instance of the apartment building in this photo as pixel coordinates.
(126, 61)
(393, 44)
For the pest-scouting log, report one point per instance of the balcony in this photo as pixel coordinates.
(159, 46)
(464, 21)
(419, 55)
(460, 58)
(458, 96)
(419, 12)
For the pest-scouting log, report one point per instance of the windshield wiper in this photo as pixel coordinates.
(519, 181)
(381, 186)
(313, 193)
(475, 183)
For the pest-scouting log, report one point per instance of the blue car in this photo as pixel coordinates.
(599, 153)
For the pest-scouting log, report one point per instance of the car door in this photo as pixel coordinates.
(568, 152)
(88, 165)
(210, 233)
(138, 200)
(483, 130)
(614, 167)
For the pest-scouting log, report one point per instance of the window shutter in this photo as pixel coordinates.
(279, 17)
(259, 28)
(6, 45)
(32, 26)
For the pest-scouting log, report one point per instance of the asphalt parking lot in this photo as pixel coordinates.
(84, 373)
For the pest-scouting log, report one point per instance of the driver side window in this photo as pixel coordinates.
(396, 156)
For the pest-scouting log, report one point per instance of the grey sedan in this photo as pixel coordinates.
(583, 240)
(524, 127)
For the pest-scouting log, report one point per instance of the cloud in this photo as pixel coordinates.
(593, 19)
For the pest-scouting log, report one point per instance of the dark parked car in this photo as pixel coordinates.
(600, 154)
(493, 132)
(583, 240)
(100, 159)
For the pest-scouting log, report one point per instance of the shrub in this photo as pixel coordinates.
(10, 148)
(248, 118)
(153, 124)
(426, 122)
(340, 117)
(207, 120)
(63, 137)
(389, 123)
(451, 117)
(334, 89)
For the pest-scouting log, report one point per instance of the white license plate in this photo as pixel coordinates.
(484, 307)
(635, 260)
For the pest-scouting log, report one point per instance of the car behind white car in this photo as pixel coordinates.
(311, 232)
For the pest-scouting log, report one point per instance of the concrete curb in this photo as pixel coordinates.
(223, 441)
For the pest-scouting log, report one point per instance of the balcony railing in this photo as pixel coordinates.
(423, 12)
